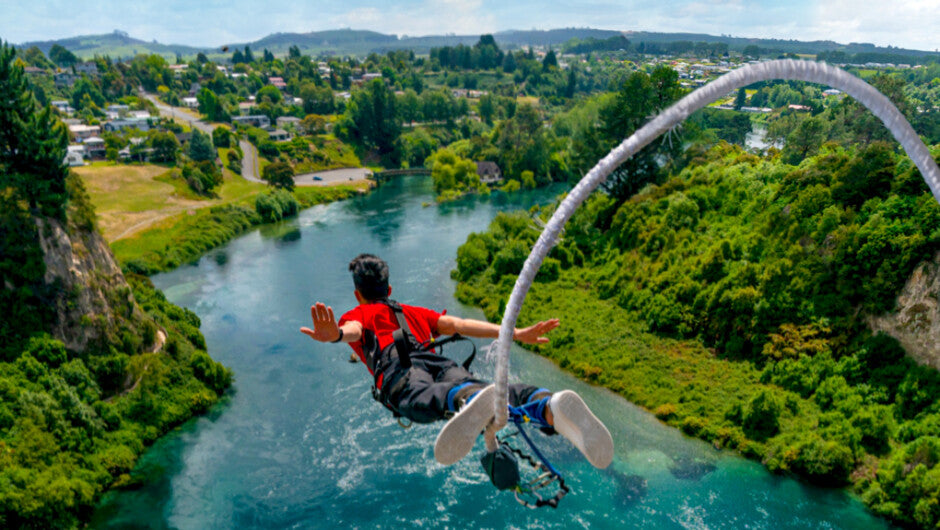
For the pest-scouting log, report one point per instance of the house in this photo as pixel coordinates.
(33, 70)
(832, 92)
(194, 89)
(279, 135)
(370, 76)
(254, 120)
(139, 114)
(65, 79)
(117, 108)
(489, 172)
(245, 108)
(803, 108)
(62, 106)
(81, 132)
(278, 82)
(75, 156)
(178, 69)
(287, 122)
(127, 123)
(73, 159)
(190, 102)
(89, 68)
(95, 147)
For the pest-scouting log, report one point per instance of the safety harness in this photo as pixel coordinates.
(503, 468)
(403, 345)
(501, 465)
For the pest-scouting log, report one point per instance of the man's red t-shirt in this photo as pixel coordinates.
(381, 320)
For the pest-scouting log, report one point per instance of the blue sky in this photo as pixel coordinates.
(903, 23)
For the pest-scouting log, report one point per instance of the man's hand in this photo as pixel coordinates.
(534, 333)
(324, 324)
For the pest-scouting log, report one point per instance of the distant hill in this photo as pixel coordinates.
(119, 44)
(784, 45)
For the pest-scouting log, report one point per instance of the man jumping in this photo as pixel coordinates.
(426, 387)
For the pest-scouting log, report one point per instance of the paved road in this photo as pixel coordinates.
(250, 170)
(332, 176)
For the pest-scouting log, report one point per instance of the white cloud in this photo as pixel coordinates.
(432, 17)
(909, 24)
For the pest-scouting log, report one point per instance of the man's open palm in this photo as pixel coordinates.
(324, 324)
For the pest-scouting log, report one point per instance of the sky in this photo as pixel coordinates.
(902, 23)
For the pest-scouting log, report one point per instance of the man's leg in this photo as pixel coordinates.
(570, 416)
(427, 395)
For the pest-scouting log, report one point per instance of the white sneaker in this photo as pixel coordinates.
(575, 421)
(458, 435)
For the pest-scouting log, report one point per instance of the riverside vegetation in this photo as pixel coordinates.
(92, 368)
(730, 299)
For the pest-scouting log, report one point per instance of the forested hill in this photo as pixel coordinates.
(93, 366)
(731, 299)
(119, 44)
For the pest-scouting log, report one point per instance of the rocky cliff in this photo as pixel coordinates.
(93, 304)
(916, 321)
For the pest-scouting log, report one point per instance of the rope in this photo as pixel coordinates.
(809, 71)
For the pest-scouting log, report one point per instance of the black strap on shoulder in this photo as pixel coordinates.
(402, 337)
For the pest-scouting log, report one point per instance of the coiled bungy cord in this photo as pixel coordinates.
(547, 472)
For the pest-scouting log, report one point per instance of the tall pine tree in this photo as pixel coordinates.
(32, 144)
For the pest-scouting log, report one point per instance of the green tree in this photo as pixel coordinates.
(84, 93)
(221, 137)
(372, 119)
(522, 144)
(805, 140)
(165, 146)
(450, 172)
(317, 99)
(550, 61)
(487, 108)
(740, 99)
(269, 91)
(32, 144)
(279, 174)
(62, 56)
(641, 96)
(210, 105)
(200, 147)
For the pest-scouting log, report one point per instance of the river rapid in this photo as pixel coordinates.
(299, 443)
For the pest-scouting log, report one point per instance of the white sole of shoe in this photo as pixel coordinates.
(458, 435)
(575, 421)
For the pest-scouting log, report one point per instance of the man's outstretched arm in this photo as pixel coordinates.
(534, 334)
(325, 328)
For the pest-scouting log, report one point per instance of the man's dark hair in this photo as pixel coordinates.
(370, 275)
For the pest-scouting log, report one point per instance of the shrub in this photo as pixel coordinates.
(761, 415)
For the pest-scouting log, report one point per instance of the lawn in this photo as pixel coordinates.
(129, 198)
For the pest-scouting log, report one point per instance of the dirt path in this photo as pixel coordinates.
(159, 342)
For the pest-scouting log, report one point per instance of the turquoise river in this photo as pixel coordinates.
(299, 443)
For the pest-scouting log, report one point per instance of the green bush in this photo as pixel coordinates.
(276, 205)
(761, 415)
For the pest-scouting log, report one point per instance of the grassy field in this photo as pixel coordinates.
(130, 198)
